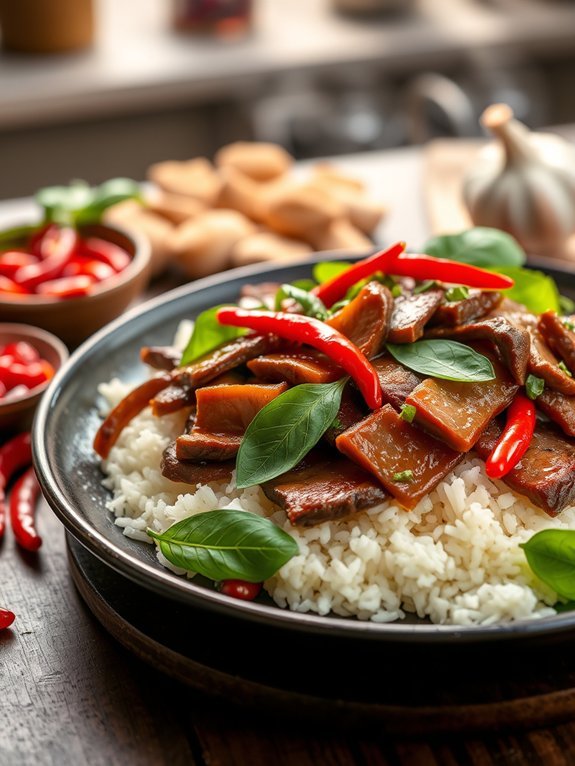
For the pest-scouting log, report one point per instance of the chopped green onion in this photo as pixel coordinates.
(568, 325)
(403, 476)
(408, 412)
(566, 370)
(566, 305)
(534, 386)
(459, 293)
(423, 287)
(396, 291)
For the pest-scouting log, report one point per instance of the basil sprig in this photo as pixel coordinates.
(326, 270)
(227, 544)
(285, 430)
(312, 306)
(207, 335)
(446, 359)
(479, 246)
(79, 203)
(551, 556)
(535, 290)
(534, 386)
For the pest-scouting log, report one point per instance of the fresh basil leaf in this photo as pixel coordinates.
(551, 556)
(208, 334)
(227, 544)
(534, 386)
(446, 359)
(305, 284)
(535, 290)
(104, 196)
(78, 203)
(285, 430)
(311, 305)
(459, 293)
(479, 246)
(569, 606)
(566, 305)
(323, 272)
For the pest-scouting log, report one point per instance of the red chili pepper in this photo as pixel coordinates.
(23, 500)
(8, 285)
(241, 589)
(13, 260)
(6, 618)
(423, 267)
(107, 252)
(335, 289)
(14, 454)
(14, 373)
(317, 334)
(514, 440)
(56, 248)
(66, 287)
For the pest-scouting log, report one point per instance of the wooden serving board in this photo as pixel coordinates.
(406, 691)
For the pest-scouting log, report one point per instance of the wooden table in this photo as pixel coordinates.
(70, 695)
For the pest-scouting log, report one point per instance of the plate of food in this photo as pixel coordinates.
(376, 449)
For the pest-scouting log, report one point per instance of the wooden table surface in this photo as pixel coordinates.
(70, 695)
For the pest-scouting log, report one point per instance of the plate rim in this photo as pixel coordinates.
(175, 587)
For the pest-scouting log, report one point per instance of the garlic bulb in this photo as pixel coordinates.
(523, 184)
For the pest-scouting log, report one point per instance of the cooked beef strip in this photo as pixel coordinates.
(558, 336)
(161, 357)
(302, 366)
(201, 445)
(396, 381)
(351, 411)
(559, 408)
(477, 305)
(387, 445)
(513, 342)
(546, 472)
(194, 473)
(457, 413)
(172, 399)
(324, 486)
(542, 361)
(410, 315)
(365, 320)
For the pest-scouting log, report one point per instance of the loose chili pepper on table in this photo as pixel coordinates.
(14, 455)
(23, 500)
(317, 334)
(6, 618)
(515, 439)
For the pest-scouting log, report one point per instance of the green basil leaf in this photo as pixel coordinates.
(566, 305)
(104, 196)
(534, 386)
(479, 246)
(78, 203)
(227, 544)
(323, 272)
(311, 305)
(535, 290)
(305, 284)
(285, 430)
(569, 606)
(446, 359)
(208, 334)
(551, 556)
(458, 293)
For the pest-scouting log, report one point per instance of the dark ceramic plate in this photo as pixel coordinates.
(71, 479)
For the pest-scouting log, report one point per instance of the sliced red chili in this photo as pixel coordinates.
(317, 334)
(14, 455)
(6, 618)
(22, 351)
(56, 248)
(23, 500)
(14, 373)
(13, 260)
(88, 267)
(8, 285)
(107, 252)
(515, 439)
(423, 267)
(66, 287)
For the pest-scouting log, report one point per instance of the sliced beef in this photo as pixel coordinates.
(477, 305)
(222, 415)
(303, 366)
(365, 320)
(396, 381)
(558, 408)
(457, 413)
(542, 361)
(172, 399)
(351, 411)
(194, 473)
(546, 472)
(513, 342)
(161, 357)
(410, 315)
(559, 337)
(324, 486)
(386, 445)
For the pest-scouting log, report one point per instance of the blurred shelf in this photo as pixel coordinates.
(139, 63)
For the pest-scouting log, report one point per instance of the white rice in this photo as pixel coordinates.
(455, 558)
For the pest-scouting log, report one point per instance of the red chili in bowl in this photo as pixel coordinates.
(21, 369)
(57, 262)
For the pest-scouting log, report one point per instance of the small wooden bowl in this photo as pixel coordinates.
(74, 319)
(17, 414)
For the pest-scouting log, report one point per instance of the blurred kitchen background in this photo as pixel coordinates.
(102, 88)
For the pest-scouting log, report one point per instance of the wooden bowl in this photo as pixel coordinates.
(17, 414)
(74, 319)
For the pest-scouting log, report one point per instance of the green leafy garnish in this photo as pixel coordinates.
(396, 291)
(568, 325)
(16, 234)
(446, 359)
(563, 367)
(227, 544)
(551, 556)
(403, 476)
(566, 305)
(535, 290)
(423, 287)
(479, 246)
(408, 412)
(285, 430)
(459, 293)
(207, 335)
(326, 270)
(534, 386)
(79, 203)
(311, 305)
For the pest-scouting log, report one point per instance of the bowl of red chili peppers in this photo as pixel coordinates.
(70, 280)
(29, 358)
